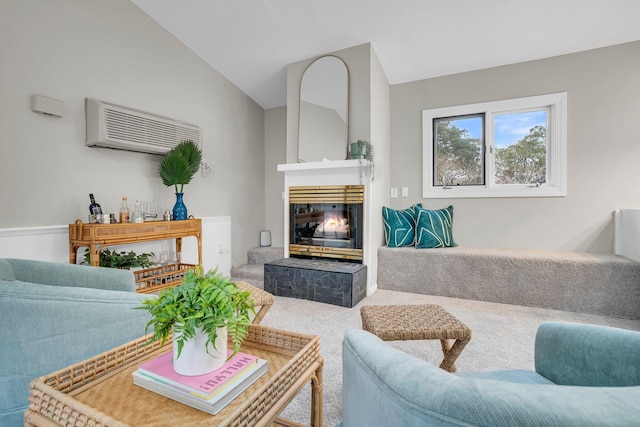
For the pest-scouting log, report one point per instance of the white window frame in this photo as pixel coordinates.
(556, 177)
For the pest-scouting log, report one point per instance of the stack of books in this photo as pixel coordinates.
(210, 392)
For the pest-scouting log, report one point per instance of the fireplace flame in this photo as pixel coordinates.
(333, 227)
(335, 224)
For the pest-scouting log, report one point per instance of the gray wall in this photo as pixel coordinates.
(603, 149)
(111, 50)
(358, 62)
(275, 136)
(72, 49)
(380, 140)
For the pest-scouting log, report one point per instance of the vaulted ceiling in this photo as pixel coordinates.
(251, 41)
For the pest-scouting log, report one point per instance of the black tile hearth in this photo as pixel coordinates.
(331, 282)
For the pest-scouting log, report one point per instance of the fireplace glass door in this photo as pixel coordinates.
(326, 229)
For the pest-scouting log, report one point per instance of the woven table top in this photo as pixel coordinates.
(259, 296)
(99, 392)
(412, 322)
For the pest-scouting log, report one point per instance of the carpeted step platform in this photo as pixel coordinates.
(264, 254)
(603, 284)
(253, 272)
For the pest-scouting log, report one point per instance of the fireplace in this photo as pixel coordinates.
(326, 255)
(326, 222)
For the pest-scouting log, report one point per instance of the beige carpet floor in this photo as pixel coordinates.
(503, 337)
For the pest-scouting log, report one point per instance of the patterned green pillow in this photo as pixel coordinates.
(399, 226)
(433, 228)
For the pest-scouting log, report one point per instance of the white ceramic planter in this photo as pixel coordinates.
(195, 359)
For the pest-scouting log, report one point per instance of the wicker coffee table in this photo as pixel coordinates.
(100, 390)
(418, 322)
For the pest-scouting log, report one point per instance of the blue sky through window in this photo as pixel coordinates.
(508, 128)
(472, 124)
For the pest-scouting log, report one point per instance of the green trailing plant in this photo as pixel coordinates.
(203, 300)
(363, 151)
(179, 165)
(123, 260)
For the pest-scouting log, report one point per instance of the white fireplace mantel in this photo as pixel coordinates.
(309, 167)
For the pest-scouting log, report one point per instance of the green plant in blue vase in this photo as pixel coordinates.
(177, 168)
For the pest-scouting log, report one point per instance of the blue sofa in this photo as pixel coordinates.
(585, 375)
(54, 315)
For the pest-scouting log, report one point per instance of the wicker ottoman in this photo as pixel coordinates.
(261, 298)
(418, 322)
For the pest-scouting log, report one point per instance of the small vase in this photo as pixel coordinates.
(198, 359)
(357, 151)
(179, 209)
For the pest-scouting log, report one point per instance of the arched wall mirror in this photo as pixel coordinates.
(323, 122)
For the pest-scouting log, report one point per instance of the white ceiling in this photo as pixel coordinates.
(251, 41)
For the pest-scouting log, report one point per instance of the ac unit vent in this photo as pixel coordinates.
(115, 126)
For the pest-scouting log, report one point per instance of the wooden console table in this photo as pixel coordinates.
(96, 236)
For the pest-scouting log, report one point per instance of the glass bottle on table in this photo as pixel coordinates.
(124, 211)
(94, 208)
(136, 215)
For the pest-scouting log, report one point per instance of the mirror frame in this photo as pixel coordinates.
(346, 136)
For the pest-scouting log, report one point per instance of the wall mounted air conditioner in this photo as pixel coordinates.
(123, 128)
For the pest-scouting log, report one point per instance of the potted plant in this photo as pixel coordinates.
(363, 151)
(358, 149)
(200, 313)
(177, 168)
(123, 260)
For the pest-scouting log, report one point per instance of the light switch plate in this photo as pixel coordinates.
(394, 192)
(405, 191)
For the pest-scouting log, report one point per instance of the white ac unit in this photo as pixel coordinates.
(123, 128)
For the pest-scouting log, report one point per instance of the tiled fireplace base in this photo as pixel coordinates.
(331, 282)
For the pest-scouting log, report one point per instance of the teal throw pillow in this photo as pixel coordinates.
(433, 228)
(399, 226)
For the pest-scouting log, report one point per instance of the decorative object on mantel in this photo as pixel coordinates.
(363, 151)
(177, 168)
(200, 313)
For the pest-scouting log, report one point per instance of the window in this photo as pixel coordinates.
(511, 148)
(458, 150)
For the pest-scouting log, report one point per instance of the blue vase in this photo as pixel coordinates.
(179, 209)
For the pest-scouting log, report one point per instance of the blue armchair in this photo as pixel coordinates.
(54, 315)
(585, 375)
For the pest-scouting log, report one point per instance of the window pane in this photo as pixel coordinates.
(459, 150)
(521, 147)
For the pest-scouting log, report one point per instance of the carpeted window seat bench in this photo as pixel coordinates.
(602, 284)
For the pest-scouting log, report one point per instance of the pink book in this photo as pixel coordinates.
(161, 368)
